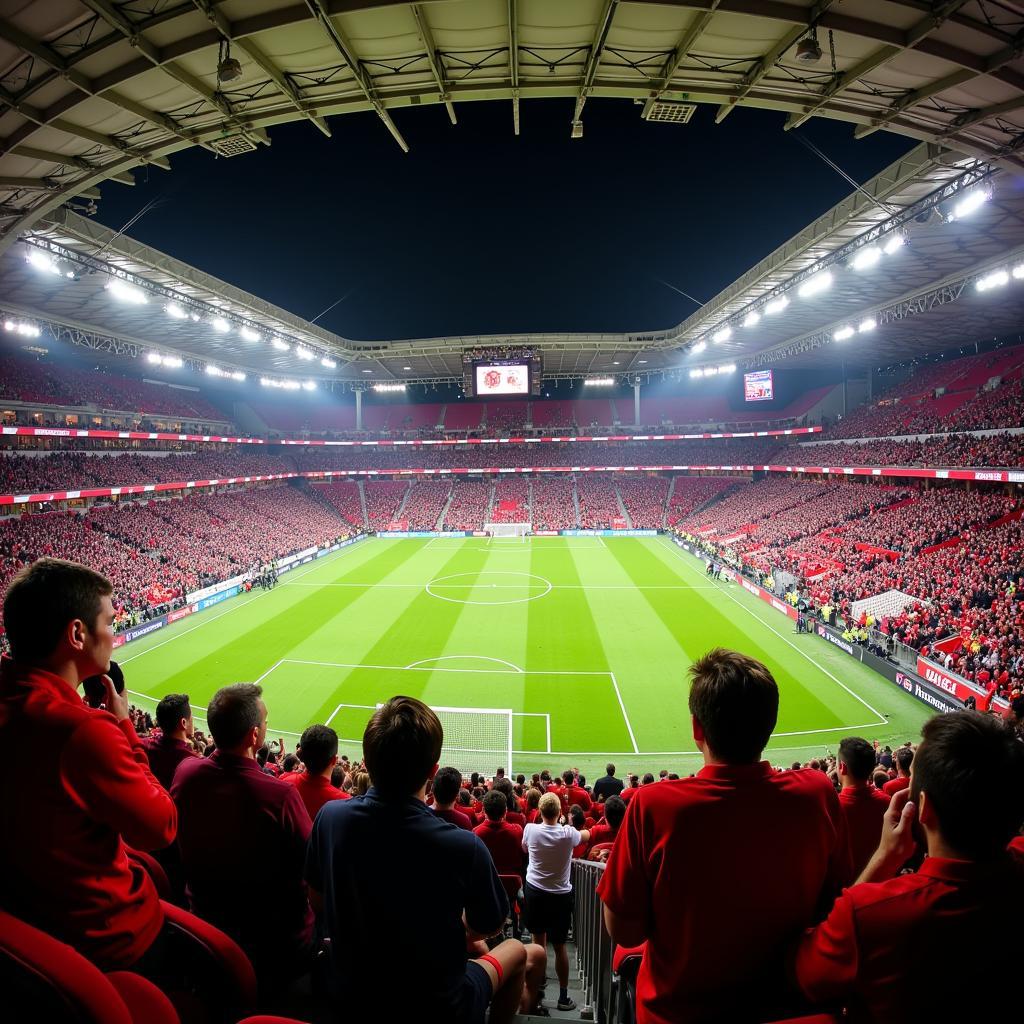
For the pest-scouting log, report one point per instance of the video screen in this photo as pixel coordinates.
(758, 386)
(502, 379)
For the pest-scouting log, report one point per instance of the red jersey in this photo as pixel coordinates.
(896, 785)
(722, 868)
(67, 816)
(863, 807)
(883, 942)
(505, 843)
(316, 791)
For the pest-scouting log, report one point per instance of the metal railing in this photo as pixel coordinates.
(594, 945)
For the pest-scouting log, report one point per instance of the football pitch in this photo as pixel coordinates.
(585, 639)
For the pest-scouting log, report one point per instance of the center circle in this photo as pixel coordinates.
(489, 587)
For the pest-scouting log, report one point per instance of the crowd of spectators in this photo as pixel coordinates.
(511, 500)
(345, 497)
(644, 499)
(384, 499)
(467, 510)
(553, 503)
(598, 501)
(691, 493)
(425, 503)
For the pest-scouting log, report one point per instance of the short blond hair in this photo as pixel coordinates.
(550, 806)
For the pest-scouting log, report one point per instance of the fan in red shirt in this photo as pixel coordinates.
(446, 786)
(504, 840)
(63, 863)
(879, 949)
(863, 805)
(903, 758)
(716, 872)
(607, 830)
(570, 792)
(171, 747)
(318, 751)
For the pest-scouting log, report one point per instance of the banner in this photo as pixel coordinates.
(603, 533)
(422, 533)
(952, 683)
(208, 602)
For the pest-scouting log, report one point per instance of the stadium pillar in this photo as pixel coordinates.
(359, 410)
(636, 403)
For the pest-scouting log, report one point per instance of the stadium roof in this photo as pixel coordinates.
(94, 88)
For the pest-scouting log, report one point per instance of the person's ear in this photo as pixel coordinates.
(698, 731)
(432, 773)
(76, 634)
(925, 812)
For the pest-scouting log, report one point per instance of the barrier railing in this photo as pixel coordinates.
(593, 943)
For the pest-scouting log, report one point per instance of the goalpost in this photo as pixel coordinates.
(476, 739)
(508, 531)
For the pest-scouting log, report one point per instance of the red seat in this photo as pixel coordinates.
(626, 964)
(154, 869)
(213, 963)
(43, 979)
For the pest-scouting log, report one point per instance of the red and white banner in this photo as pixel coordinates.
(951, 682)
(124, 435)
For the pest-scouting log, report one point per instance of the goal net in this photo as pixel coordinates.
(508, 529)
(476, 739)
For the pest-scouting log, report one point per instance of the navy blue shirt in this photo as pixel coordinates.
(395, 880)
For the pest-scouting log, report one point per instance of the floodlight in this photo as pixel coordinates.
(237, 375)
(309, 385)
(893, 244)
(728, 368)
(220, 325)
(776, 305)
(153, 357)
(42, 261)
(194, 317)
(696, 373)
(722, 335)
(126, 292)
(1018, 272)
(173, 310)
(815, 284)
(996, 279)
(281, 346)
(329, 363)
(602, 382)
(843, 333)
(249, 334)
(710, 371)
(214, 371)
(867, 324)
(303, 353)
(22, 327)
(699, 347)
(401, 387)
(752, 319)
(173, 362)
(867, 258)
(808, 50)
(970, 202)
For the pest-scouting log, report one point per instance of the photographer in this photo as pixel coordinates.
(88, 790)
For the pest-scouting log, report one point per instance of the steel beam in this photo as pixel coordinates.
(427, 38)
(513, 60)
(347, 54)
(594, 58)
(124, 177)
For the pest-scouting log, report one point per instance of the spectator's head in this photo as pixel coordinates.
(495, 805)
(360, 783)
(648, 778)
(174, 716)
(550, 807)
(338, 776)
(401, 747)
(447, 783)
(237, 718)
(614, 811)
(577, 817)
(904, 759)
(290, 762)
(967, 781)
(880, 778)
(505, 787)
(533, 799)
(318, 749)
(609, 770)
(474, 780)
(663, 774)
(734, 703)
(568, 776)
(499, 773)
(856, 760)
(59, 615)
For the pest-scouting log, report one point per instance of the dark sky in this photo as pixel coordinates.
(476, 231)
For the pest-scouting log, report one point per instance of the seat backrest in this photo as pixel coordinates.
(42, 979)
(213, 961)
(154, 869)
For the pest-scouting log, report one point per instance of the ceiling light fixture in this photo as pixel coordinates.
(816, 284)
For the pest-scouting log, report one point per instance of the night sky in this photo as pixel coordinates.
(476, 231)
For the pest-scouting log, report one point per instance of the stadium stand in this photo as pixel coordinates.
(644, 499)
(599, 501)
(689, 493)
(470, 500)
(384, 499)
(426, 501)
(346, 497)
(552, 412)
(463, 416)
(507, 416)
(511, 500)
(553, 503)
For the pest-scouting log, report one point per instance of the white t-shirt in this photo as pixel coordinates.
(550, 848)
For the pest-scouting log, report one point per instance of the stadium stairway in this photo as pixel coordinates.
(439, 525)
(362, 503)
(668, 502)
(623, 511)
(400, 511)
(551, 992)
(575, 500)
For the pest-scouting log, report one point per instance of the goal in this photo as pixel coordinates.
(508, 530)
(476, 739)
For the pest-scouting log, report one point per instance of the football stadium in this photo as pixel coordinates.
(558, 552)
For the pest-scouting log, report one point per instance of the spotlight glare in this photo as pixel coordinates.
(815, 284)
(173, 310)
(153, 357)
(220, 325)
(728, 368)
(249, 334)
(699, 347)
(401, 387)
(309, 385)
(696, 373)
(329, 363)
(867, 258)
(893, 244)
(1018, 272)
(238, 375)
(996, 279)
(173, 362)
(776, 306)
(970, 202)
(281, 346)
(843, 333)
(42, 261)
(126, 292)
(602, 382)
(752, 319)
(723, 335)
(867, 324)
(303, 353)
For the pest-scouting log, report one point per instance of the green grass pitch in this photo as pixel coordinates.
(587, 640)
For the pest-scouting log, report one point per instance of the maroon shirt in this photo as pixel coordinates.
(505, 843)
(242, 836)
(85, 790)
(315, 791)
(863, 807)
(164, 757)
(456, 817)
